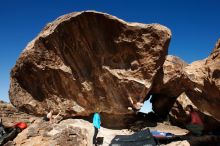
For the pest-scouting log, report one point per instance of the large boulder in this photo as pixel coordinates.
(170, 78)
(88, 61)
(200, 81)
(203, 83)
(168, 85)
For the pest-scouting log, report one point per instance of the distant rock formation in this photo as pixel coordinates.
(10, 115)
(86, 62)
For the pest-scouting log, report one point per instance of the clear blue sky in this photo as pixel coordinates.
(195, 24)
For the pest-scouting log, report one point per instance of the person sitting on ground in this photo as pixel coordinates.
(97, 125)
(195, 126)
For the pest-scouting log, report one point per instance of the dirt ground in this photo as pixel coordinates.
(109, 134)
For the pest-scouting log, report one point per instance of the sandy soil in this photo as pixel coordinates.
(109, 134)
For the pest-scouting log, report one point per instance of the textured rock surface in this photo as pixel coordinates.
(179, 143)
(170, 78)
(168, 85)
(204, 83)
(75, 132)
(68, 133)
(10, 115)
(199, 80)
(88, 61)
(178, 110)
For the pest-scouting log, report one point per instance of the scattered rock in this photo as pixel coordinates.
(178, 143)
(68, 132)
(10, 115)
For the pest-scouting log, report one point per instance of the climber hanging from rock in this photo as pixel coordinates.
(49, 117)
(136, 106)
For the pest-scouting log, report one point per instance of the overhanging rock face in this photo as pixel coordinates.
(86, 62)
(168, 85)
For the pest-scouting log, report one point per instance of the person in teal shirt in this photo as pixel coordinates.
(97, 125)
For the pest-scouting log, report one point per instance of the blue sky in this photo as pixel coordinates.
(195, 24)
